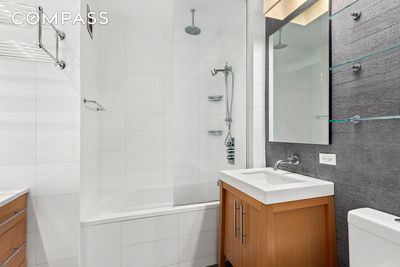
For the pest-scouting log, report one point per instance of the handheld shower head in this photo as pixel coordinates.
(224, 70)
(216, 71)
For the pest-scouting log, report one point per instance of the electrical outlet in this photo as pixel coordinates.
(328, 159)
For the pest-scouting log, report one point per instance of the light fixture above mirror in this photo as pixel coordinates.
(281, 9)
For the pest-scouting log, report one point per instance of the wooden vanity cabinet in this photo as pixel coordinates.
(13, 233)
(231, 232)
(293, 234)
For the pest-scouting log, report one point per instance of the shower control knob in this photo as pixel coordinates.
(230, 142)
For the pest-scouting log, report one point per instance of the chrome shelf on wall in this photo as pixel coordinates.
(215, 133)
(215, 98)
(357, 119)
(38, 52)
(89, 105)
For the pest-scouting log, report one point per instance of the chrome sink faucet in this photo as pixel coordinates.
(292, 160)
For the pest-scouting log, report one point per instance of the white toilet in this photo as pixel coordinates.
(374, 238)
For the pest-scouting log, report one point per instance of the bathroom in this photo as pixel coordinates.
(133, 131)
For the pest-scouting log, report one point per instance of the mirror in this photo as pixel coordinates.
(299, 78)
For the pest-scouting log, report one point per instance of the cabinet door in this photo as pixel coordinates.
(252, 233)
(232, 246)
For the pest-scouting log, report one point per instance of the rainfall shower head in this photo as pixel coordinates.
(280, 45)
(192, 29)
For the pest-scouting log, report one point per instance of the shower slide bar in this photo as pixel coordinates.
(38, 52)
(98, 106)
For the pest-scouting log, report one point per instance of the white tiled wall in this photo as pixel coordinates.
(179, 239)
(39, 140)
(90, 119)
(154, 80)
(151, 147)
(256, 46)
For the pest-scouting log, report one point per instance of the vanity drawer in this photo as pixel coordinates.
(12, 240)
(12, 208)
(17, 259)
(8, 224)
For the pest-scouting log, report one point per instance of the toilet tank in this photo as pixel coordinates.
(374, 239)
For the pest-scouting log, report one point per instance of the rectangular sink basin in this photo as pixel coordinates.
(271, 187)
(270, 178)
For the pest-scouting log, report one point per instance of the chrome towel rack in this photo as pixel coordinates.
(38, 52)
(98, 106)
(59, 37)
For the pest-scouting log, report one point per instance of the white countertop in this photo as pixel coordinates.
(8, 196)
(271, 187)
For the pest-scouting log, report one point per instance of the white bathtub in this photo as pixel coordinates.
(166, 236)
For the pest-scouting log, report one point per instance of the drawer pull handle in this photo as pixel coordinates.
(234, 218)
(356, 15)
(242, 233)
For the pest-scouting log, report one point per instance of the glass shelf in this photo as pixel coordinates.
(361, 58)
(358, 119)
(343, 9)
